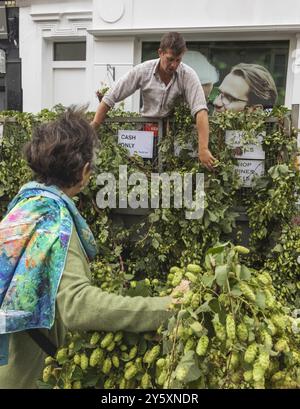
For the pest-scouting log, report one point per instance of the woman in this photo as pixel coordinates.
(45, 246)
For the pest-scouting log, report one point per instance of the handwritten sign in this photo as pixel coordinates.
(235, 140)
(249, 169)
(140, 142)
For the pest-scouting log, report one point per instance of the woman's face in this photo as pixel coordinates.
(85, 178)
(233, 95)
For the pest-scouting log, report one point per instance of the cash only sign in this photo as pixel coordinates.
(250, 156)
(140, 142)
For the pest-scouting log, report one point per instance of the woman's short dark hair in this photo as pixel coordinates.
(59, 150)
(174, 41)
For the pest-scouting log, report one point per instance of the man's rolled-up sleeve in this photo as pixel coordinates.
(194, 93)
(124, 87)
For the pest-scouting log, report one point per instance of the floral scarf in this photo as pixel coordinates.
(34, 241)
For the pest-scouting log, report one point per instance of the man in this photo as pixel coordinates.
(247, 85)
(161, 81)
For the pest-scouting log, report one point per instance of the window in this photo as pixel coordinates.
(69, 51)
(223, 55)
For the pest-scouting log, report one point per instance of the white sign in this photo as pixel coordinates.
(140, 142)
(248, 169)
(234, 139)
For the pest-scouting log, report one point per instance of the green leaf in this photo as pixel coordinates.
(192, 313)
(77, 374)
(171, 324)
(189, 363)
(203, 308)
(207, 279)
(278, 170)
(221, 273)
(219, 258)
(215, 306)
(128, 277)
(43, 385)
(212, 216)
(141, 290)
(143, 346)
(260, 299)
(197, 328)
(226, 226)
(154, 217)
(235, 291)
(182, 314)
(155, 244)
(245, 273)
(131, 338)
(167, 345)
(278, 248)
(78, 344)
(91, 378)
(217, 249)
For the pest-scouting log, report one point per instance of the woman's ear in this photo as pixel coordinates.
(86, 169)
(86, 173)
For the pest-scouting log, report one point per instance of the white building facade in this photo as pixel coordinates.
(71, 48)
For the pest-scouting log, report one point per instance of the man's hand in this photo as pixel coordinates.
(94, 125)
(206, 158)
(100, 115)
(204, 154)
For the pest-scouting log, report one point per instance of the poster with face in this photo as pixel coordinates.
(236, 74)
(246, 85)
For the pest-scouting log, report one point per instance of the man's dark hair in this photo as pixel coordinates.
(59, 150)
(174, 41)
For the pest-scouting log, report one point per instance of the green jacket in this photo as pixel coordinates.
(79, 307)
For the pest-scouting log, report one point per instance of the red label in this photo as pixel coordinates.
(153, 127)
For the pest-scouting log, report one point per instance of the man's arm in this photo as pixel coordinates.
(126, 86)
(195, 97)
(100, 114)
(204, 154)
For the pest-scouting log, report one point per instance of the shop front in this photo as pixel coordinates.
(70, 49)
